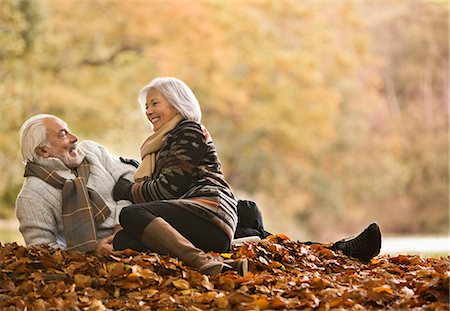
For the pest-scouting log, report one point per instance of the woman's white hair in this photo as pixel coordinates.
(177, 93)
(33, 134)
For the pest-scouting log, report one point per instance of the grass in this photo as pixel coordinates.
(10, 236)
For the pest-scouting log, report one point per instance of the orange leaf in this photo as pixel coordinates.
(278, 303)
(383, 289)
(262, 303)
(374, 261)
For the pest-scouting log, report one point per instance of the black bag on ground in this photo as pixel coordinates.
(250, 222)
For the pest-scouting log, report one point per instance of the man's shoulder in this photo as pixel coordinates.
(32, 188)
(89, 146)
(99, 156)
(92, 149)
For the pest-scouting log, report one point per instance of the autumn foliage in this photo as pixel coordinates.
(283, 275)
(323, 109)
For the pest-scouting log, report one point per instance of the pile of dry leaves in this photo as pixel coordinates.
(283, 275)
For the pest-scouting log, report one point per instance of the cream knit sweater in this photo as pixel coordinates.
(38, 204)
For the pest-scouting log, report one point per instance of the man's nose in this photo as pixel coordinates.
(73, 138)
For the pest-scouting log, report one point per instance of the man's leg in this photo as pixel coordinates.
(364, 247)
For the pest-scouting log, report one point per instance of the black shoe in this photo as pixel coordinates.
(239, 265)
(363, 247)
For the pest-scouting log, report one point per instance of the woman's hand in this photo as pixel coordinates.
(122, 189)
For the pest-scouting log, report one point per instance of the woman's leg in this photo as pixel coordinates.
(147, 223)
(200, 232)
(122, 240)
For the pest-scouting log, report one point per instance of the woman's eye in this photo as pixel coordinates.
(152, 104)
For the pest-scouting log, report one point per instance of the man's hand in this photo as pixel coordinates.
(117, 228)
(122, 189)
(105, 246)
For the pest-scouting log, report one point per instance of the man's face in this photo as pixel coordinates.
(61, 143)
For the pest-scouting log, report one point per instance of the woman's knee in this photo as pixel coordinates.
(125, 214)
(135, 216)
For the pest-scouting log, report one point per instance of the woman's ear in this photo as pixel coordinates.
(42, 151)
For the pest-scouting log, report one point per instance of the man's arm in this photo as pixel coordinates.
(37, 222)
(112, 164)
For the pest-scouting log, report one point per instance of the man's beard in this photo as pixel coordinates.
(71, 162)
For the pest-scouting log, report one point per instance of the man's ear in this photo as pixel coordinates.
(42, 151)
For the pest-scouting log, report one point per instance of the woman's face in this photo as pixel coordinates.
(158, 109)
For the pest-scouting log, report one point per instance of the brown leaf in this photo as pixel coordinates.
(221, 302)
(293, 276)
(97, 305)
(181, 284)
(205, 297)
(82, 281)
(237, 297)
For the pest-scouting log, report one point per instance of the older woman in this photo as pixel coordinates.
(182, 204)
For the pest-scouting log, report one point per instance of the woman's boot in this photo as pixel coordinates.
(162, 238)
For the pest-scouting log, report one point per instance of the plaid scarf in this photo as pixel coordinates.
(82, 208)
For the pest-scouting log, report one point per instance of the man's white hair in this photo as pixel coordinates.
(177, 93)
(33, 134)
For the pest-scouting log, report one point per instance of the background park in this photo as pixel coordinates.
(329, 114)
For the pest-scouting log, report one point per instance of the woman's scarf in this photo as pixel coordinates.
(151, 146)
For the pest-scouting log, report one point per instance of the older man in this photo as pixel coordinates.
(66, 199)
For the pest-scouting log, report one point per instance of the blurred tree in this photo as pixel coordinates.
(291, 93)
(19, 28)
(416, 84)
(390, 158)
